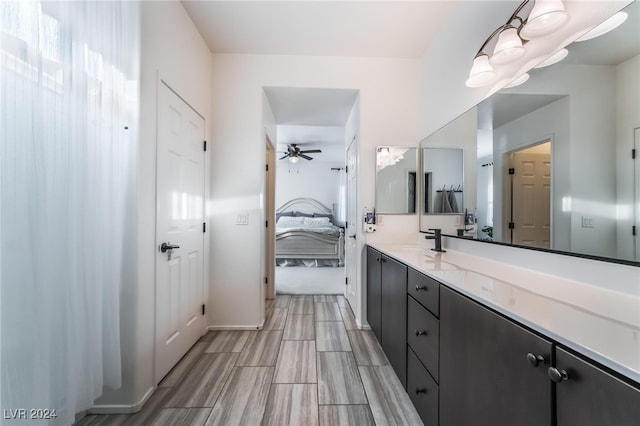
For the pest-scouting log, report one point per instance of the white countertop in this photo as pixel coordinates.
(600, 323)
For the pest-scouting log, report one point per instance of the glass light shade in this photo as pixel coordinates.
(294, 160)
(508, 48)
(518, 81)
(613, 22)
(556, 57)
(481, 73)
(545, 17)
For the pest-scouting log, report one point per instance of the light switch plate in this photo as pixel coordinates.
(242, 219)
(587, 222)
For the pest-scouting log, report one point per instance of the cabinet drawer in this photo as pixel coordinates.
(422, 390)
(425, 290)
(423, 335)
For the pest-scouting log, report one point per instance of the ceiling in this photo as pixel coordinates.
(310, 107)
(395, 29)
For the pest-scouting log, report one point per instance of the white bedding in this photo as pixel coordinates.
(307, 224)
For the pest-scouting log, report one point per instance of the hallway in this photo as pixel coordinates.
(309, 366)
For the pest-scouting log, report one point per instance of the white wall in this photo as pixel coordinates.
(627, 118)
(172, 47)
(308, 179)
(389, 113)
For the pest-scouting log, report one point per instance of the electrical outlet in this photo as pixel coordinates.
(587, 222)
(242, 219)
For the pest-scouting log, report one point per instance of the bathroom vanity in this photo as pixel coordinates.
(475, 341)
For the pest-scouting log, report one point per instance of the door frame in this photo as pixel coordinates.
(270, 217)
(160, 80)
(355, 228)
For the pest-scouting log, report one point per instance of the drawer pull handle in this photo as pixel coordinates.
(557, 376)
(421, 390)
(535, 359)
(421, 287)
(421, 332)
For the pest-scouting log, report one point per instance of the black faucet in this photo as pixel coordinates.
(437, 235)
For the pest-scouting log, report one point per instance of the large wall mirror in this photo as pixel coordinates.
(396, 180)
(554, 167)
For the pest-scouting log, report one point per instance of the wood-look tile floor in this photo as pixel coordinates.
(309, 366)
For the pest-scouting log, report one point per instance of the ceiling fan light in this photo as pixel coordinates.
(545, 17)
(610, 24)
(481, 73)
(518, 81)
(554, 58)
(293, 159)
(508, 48)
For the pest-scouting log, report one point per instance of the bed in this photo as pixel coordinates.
(306, 234)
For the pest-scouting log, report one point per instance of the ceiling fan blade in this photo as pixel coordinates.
(311, 151)
(306, 157)
(284, 156)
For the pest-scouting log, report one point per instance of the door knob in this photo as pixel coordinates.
(167, 246)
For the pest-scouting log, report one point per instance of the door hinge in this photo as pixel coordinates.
(512, 225)
(266, 280)
(512, 171)
(204, 146)
(633, 154)
(633, 230)
(346, 169)
(346, 280)
(266, 223)
(346, 224)
(204, 227)
(266, 168)
(203, 309)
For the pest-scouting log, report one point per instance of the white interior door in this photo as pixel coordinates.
(351, 243)
(530, 201)
(180, 212)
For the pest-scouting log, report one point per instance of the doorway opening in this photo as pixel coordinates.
(313, 129)
(527, 196)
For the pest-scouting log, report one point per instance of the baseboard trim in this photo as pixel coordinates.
(362, 326)
(122, 409)
(235, 327)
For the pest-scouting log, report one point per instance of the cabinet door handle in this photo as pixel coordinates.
(557, 376)
(379, 260)
(382, 259)
(535, 359)
(421, 332)
(421, 287)
(421, 390)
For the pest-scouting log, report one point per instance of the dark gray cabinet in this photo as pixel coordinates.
(464, 364)
(485, 374)
(394, 315)
(374, 277)
(589, 396)
(422, 390)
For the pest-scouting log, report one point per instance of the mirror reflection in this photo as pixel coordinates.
(442, 180)
(555, 166)
(396, 180)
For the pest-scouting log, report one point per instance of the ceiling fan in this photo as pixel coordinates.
(294, 153)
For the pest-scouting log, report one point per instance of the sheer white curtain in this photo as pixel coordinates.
(68, 134)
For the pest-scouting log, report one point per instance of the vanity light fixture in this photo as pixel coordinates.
(518, 81)
(610, 24)
(509, 46)
(545, 17)
(553, 59)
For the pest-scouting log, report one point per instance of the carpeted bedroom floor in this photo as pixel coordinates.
(303, 280)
